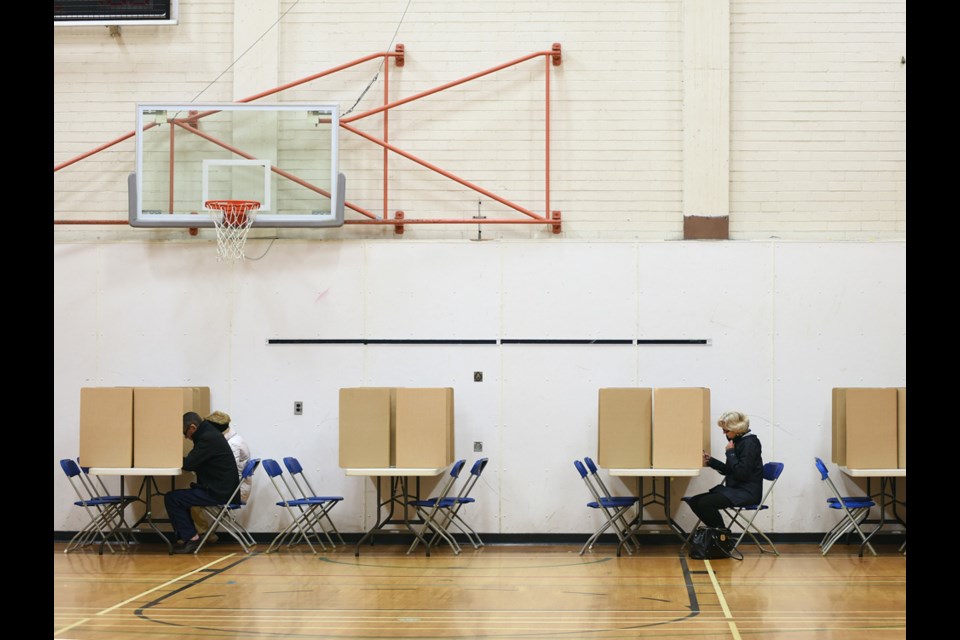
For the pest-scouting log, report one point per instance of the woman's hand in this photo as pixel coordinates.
(706, 459)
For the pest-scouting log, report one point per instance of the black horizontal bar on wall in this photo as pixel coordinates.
(494, 341)
(561, 341)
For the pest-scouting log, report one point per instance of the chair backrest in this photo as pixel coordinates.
(454, 474)
(248, 470)
(71, 468)
(583, 474)
(596, 476)
(274, 471)
(74, 475)
(296, 471)
(822, 468)
(85, 478)
(271, 467)
(250, 467)
(772, 471)
(475, 472)
(825, 476)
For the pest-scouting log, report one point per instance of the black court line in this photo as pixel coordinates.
(210, 573)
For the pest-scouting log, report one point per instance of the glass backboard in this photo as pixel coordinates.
(283, 156)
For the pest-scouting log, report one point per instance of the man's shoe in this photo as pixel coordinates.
(189, 546)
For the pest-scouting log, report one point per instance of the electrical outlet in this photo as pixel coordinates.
(298, 408)
(477, 447)
(478, 376)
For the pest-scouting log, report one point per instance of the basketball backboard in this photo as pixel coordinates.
(283, 156)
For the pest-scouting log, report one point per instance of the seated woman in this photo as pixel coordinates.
(743, 468)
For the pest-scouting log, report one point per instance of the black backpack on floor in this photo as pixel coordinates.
(709, 543)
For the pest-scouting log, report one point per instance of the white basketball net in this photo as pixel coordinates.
(232, 219)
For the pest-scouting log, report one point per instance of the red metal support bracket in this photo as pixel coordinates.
(550, 217)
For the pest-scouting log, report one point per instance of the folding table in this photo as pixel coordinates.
(399, 495)
(887, 497)
(654, 498)
(148, 489)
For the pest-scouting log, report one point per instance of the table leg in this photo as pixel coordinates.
(378, 524)
(661, 499)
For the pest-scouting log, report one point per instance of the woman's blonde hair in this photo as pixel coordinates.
(735, 422)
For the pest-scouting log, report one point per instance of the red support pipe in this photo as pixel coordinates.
(172, 131)
(423, 94)
(106, 145)
(442, 172)
(397, 54)
(554, 56)
(547, 136)
(386, 134)
(403, 221)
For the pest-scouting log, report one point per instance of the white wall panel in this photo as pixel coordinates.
(549, 420)
(450, 291)
(318, 295)
(76, 323)
(569, 290)
(841, 322)
(787, 322)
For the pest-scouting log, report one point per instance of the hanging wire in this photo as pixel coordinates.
(247, 50)
(380, 68)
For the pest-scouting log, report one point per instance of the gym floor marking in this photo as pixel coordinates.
(148, 591)
(723, 602)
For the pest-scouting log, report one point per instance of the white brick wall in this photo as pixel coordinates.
(818, 119)
(817, 110)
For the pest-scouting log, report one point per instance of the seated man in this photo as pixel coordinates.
(217, 478)
(241, 452)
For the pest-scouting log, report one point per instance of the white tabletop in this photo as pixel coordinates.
(874, 473)
(658, 473)
(134, 471)
(392, 471)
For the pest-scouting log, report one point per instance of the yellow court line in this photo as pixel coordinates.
(723, 602)
(140, 595)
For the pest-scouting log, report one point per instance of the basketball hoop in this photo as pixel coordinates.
(232, 218)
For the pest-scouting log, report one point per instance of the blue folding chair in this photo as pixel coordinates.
(326, 503)
(613, 508)
(771, 473)
(602, 490)
(302, 519)
(105, 512)
(450, 508)
(222, 515)
(430, 509)
(855, 510)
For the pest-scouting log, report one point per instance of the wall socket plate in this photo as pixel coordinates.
(477, 447)
(298, 408)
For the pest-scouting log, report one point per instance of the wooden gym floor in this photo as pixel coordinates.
(523, 592)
